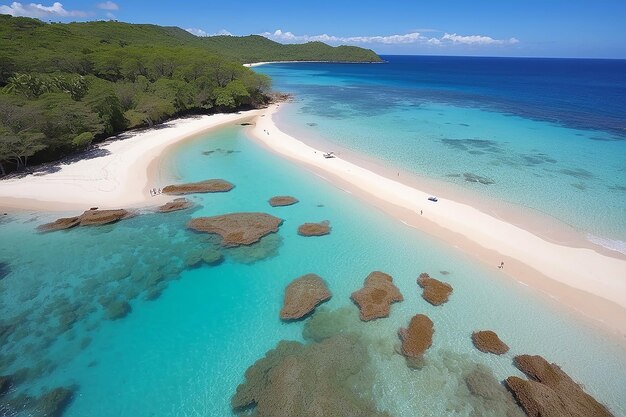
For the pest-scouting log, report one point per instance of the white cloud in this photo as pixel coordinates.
(477, 40)
(39, 10)
(110, 15)
(415, 37)
(108, 5)
(200, 32)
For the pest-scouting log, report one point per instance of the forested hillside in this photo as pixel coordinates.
(64, 86)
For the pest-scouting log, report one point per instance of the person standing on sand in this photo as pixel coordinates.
(501, 266)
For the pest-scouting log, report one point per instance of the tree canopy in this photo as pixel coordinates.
(63, 86)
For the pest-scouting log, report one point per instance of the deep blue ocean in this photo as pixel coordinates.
(548, 135)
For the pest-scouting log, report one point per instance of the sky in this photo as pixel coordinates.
(535, 28)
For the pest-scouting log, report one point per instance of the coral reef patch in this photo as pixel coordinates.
(375, 298)
(282, 200)
(435, 292)
(207, 186)
(302, 295)
(237, 229)
(488, 341)
(550, 392)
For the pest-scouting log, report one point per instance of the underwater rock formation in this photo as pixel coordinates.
(282, 200)
(471, 177)
(207, 186)
(53, 403)
(302, 295)
(237, 228)
(417, 337)
(93, 217)
(314, 229)
(212, 257)
(266, 248)
(488, 341)
(375, 298)
(435, 291)
(307, 381)
(175, 205)
(100, 217)
(550, 392)
(492, 395)
(4, 269)
(5, 384)
(118, 310)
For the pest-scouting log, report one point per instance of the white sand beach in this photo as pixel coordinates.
(581, 278)
(118, 179)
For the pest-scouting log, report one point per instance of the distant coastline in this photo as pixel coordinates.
(258, 64)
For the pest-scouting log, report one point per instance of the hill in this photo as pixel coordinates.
(67, 85)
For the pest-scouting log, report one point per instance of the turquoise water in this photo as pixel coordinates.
(547, 135)
(185, 352)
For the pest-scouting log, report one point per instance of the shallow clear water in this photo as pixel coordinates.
(545, 134)
(185, 352)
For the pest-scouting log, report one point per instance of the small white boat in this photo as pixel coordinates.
(433, 198)
(329, 155)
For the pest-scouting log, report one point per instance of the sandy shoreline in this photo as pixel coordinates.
(592, 283)
(582, 279)
(121, 178)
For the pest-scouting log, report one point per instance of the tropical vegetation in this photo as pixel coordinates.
(65, 86)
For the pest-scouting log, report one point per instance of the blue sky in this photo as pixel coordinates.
(557, 28)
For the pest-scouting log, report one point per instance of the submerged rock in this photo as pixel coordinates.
(314, 229)
(212, 257)
(489, 342)
(208, 186)
(5, 384)
(550, 392)
(470, 177)
(53, 403)
(237, 228)
(59, 224)
(100, 217)
(375, 298)
(175, 205)
(282, 200)
(118, 310)
(435, 291)
(266, 248)
(492, 395)
(307, 381)
(417, 337)
(92, 217)
(4, 269)
(302, 295)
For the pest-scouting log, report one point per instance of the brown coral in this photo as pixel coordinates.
(207, 186)
(282, 200)
(307, 381)
(435, 291)
(550, 392)
(417, 337)
(92, 217)
(489, 342)
(302, 295)
(375, 298)
(314, 229)
(175, 205)
(237, 228)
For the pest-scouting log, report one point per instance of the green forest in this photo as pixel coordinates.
(66, 86)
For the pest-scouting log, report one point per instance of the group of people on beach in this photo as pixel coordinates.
(155, 191)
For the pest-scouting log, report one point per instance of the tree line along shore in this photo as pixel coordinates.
(66, 86)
